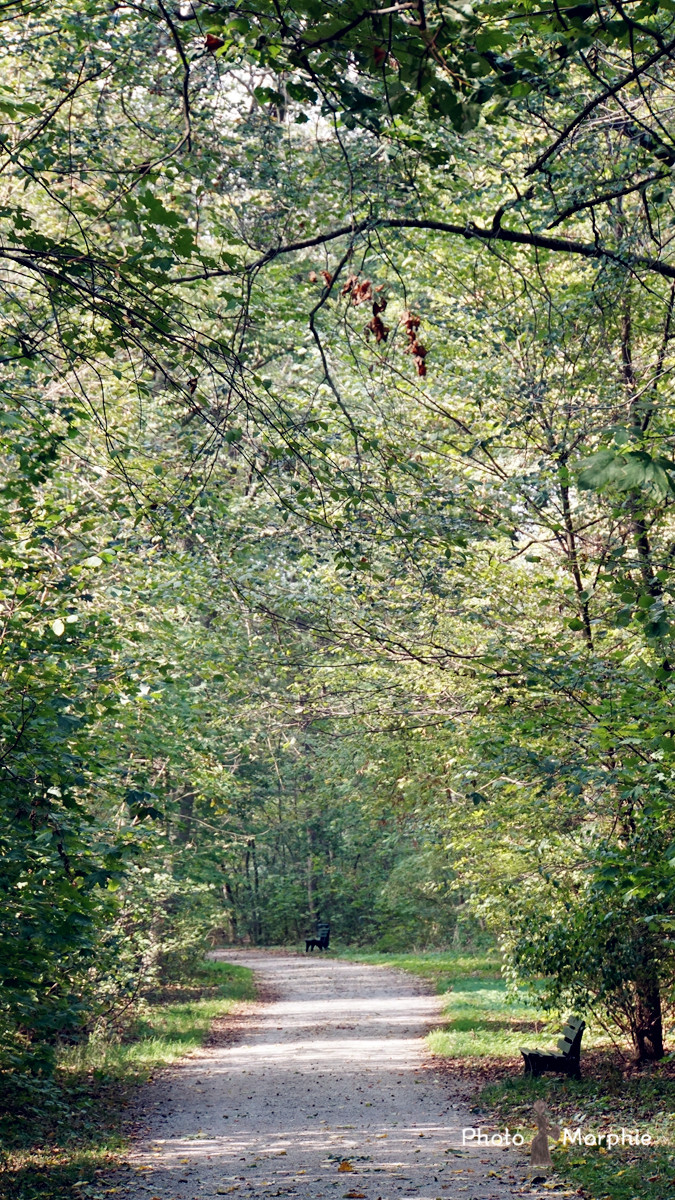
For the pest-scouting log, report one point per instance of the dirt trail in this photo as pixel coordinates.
(331, 1068)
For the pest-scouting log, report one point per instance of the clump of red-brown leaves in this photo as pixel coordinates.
(376, 325)
(360, 291)
(325, 275)
(411, 323)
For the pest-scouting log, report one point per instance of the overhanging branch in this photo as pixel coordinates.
(468, 231)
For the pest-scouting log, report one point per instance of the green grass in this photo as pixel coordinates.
(443, 968)
(484, 1023)
(70, 1129)
(174, 1021)
(480, 1040)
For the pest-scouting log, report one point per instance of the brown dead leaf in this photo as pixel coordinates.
(361, 292)
(345, 1165)
(377, 327)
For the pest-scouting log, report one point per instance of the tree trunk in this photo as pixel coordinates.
(254, 922)
(648, 1026)
(186, 804)
(232, 912)
(257, 927)
(310, 876)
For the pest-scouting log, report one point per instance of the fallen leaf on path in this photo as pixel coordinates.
(355, 1196)
(345, 1165)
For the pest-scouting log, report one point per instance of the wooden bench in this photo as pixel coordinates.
(565, 1060)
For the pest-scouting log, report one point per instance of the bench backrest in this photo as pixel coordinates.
(573, 1031)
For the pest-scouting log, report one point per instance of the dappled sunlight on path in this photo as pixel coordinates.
(327, 1091)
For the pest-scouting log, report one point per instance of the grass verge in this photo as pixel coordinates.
(480, 1041)
(59, 1135)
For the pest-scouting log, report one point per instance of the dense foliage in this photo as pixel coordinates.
(337, 493)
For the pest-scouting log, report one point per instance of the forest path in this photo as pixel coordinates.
(331, 1067)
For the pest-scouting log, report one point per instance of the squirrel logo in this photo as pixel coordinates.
(540, 1155)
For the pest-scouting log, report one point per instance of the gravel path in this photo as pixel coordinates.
(330, 1069)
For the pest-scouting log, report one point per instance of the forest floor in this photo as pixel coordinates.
(325, 1089)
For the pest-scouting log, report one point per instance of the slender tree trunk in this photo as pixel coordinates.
(310, 877)
(648, 1034)
(648, 1020)
(232, 913)
(186, 804)
(573, 563)
(257, 923)
(247, 868)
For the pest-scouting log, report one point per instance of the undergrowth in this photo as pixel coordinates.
(64, 1131)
